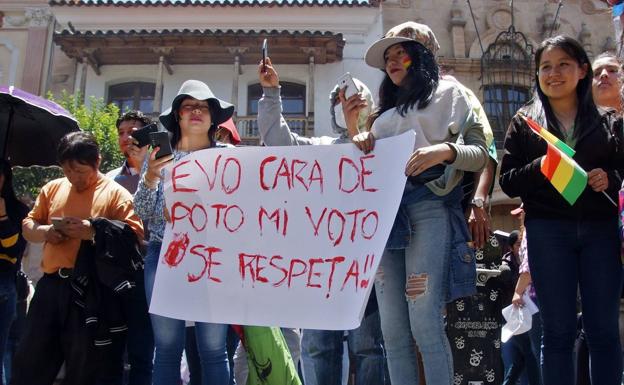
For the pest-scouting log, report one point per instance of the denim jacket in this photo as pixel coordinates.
(462, 273)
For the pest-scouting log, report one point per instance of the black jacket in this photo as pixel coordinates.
(12, 243)
(598, 147)
(104, 271)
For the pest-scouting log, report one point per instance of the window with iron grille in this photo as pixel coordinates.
(507, 76)
(501, 103)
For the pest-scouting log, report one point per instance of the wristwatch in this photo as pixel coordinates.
(477, 202)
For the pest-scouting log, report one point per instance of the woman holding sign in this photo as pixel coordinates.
(427, 260)
(192, 120)
(571, 222)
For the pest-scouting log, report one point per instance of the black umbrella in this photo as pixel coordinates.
(31, 127)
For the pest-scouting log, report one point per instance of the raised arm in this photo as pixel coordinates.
(274, 130)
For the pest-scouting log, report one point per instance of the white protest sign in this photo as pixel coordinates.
(278, 236)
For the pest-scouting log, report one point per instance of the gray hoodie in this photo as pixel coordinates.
(274, 130)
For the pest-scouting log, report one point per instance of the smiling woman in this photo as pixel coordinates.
(570, 245)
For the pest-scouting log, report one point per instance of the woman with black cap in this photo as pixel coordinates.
(193, 119)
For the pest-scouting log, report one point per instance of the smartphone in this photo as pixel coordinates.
(346, 82)
(265, 53)
(58, 223)
(142, 134)
(161, 139)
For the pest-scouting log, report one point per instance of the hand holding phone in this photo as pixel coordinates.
(58, 223)
(161, 139)
(55, 235)
(142, 134)
(347, 83)
(265, 53)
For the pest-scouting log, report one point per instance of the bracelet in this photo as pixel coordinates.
(149, 183)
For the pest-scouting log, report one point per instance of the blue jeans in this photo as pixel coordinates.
(169, 339)
(520, 363)
(564, 255)
(322, 352)
(417, 315)
(535, 336)
(8, 303)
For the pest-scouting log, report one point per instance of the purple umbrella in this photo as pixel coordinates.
(31, 127)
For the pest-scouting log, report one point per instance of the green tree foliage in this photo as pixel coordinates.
(27, 181)
(98, 118)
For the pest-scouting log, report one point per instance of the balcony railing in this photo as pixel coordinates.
(248, 127)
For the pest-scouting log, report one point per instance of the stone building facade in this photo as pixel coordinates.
(137, 53)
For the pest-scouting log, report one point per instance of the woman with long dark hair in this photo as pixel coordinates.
(427, 261)
(571, 247)
(12, 245)
(193, 119)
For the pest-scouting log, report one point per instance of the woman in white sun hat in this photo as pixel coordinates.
(192, 121)
(428, 260)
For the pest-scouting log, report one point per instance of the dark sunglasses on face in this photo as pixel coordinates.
(192, 107)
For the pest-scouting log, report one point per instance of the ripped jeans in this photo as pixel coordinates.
(411, 286)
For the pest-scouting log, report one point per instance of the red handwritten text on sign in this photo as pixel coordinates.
(294, 231)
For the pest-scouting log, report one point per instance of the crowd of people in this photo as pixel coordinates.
(102, 234)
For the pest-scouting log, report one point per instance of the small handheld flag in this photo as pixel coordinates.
(547, 136)
(564, 174)
(559, 167)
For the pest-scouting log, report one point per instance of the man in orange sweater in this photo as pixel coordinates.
(55, 328)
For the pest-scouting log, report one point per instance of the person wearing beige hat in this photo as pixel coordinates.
(478, 185)
(192, 121)
(427, 261)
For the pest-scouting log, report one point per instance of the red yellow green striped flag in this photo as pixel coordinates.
(564, 174)
(547, 136)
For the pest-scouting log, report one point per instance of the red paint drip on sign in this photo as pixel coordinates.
(176, 249)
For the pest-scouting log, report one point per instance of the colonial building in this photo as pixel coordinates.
(136, 53)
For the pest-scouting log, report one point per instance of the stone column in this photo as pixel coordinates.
(458, 22)
(309, 113)
(310, 96)
(163, 64)
(237, 52)
(39, 19)
(235, 83)
(83, 79)
(159, 86)
(77, 76)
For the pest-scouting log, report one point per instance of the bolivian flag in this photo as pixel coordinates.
(547, 136)
(564, 174)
